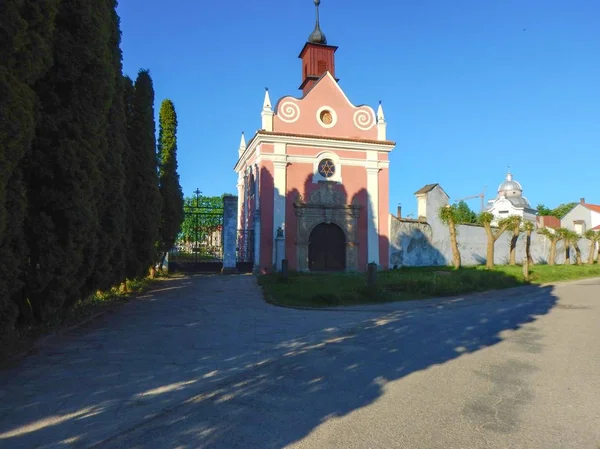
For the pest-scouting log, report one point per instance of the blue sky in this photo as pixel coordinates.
(468, 86)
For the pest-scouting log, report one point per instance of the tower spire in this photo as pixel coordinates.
(317, 36)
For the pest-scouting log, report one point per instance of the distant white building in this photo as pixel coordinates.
(510, 201)
(582, 218)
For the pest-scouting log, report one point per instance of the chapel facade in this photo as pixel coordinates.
(313, 182)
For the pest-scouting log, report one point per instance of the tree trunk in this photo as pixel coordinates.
(528, 248)
(592, 253)
(454, 242)
(489, 263)
(577, 253)
(567, 253)
(513, 246)
(552, 259)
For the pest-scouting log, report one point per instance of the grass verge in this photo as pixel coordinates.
(336, 289)
(23, 338)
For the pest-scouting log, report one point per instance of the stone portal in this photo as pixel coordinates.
(327, 206)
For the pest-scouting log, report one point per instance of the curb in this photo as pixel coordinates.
(417, 302)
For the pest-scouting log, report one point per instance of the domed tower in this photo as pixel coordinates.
(510, 187)
(510, 201)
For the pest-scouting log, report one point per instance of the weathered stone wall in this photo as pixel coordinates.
(427, 243)
(416, 244)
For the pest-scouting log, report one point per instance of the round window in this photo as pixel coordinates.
(326, 117)
(326, 168)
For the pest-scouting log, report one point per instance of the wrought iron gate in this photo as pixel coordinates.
(200, 245)
(245, 251)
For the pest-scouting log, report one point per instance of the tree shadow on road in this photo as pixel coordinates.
(263, 392)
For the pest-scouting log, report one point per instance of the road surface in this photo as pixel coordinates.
(203, 362)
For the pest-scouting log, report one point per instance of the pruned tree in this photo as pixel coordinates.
(554, 237)
(571, 239)
(514, 225)
(449, 215)
(594, 238)
(486, 219)
(528, 226)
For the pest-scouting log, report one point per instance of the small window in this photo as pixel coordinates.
(321, 67)
(305, 70)
(326, 168)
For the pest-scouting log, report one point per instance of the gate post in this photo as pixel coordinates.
(230, 204)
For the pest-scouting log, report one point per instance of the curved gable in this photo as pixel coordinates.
(325, 110)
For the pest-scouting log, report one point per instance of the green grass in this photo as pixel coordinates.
(324, 290)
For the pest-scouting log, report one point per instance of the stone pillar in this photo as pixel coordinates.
(279, 249)
(241, 201)
(230, 220)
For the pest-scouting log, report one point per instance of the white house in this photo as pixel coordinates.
(582, 218)
(510, 201)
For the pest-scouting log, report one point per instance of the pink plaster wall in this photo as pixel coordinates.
(299, 116)
(313, 152)
(266, 214)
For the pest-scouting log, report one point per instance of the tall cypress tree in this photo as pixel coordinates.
(170, 189)
(26, 35)
(63, 177)
(112, 205)
(142, 177)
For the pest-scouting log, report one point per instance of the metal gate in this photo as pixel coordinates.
(200, 245)
(245, 251)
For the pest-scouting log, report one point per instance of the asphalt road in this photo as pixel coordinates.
(204, 363)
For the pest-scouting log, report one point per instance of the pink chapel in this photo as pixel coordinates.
(313, 182)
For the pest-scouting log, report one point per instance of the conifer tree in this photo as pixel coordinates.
(63, 176)
(142, 178)
(112, 205)
(26, 35)
(170, 189)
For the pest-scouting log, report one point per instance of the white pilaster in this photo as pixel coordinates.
(267, 113)
(279, 184)
(256, 224)
(373, 214)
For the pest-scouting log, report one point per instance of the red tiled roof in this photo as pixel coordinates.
(597, 228)
(593, 207)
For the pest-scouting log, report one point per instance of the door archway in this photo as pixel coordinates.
(327, 248)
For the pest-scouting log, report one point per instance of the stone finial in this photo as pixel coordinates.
(381, 124)
(242, 144)
(267, 101)
(380, 115)
(267, 113)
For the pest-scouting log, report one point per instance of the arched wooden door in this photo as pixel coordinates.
(327, 248)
